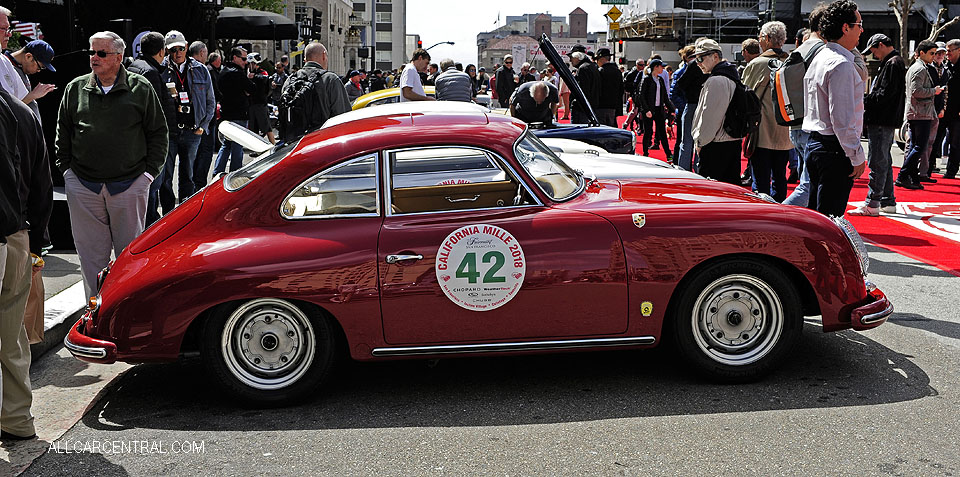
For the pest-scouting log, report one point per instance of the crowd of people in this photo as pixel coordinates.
(693, 103)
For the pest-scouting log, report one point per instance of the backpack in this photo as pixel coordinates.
(743, 113)
(787, 91)
(299, 105)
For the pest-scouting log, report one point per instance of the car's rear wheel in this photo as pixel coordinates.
(267, 350)
(737, 320)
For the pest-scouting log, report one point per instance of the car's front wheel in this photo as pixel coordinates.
(737, 320)
(267, 350)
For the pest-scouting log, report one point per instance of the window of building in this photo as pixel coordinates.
(384, 17)
(384, 55)
(384, 36)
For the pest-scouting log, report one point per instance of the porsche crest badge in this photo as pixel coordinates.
(639, 220)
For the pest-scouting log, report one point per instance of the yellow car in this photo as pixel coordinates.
(385, 96)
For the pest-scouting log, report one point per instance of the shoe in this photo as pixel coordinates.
(746, 181)
(935, 170)
(949, 176)
(655, 148)
(6, 436)
(888, 209)
(928, 179)
(794, 177)
(908, 185)
(865, 211)
(670, 158)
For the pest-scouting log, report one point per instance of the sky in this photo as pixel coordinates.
(460, 21)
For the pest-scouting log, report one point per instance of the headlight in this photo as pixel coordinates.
(854, 237)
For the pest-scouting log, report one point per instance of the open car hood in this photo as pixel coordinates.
(550, 52)
(244, 137)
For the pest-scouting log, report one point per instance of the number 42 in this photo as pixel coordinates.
(468, 267)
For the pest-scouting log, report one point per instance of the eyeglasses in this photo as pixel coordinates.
(177, 49)
(859, 24)
(9, 31)
(101, 53)
(38, 63)
(508, 62)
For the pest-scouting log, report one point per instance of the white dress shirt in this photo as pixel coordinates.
(834, 99)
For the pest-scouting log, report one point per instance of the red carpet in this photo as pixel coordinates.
(926, 227)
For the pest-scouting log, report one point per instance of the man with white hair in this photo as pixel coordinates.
(452, 84)
(773, 140)
(535, 102)
(588, 77)
(112, 139)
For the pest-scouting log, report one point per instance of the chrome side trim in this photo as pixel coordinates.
(878, 316)
(517, 346)
(87, 352)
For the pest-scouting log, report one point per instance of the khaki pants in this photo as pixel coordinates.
(15, 415)
(103, 223)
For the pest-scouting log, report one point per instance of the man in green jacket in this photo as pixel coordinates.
(111, 144)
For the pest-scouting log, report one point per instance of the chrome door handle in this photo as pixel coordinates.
(461, 200)
(400, 258)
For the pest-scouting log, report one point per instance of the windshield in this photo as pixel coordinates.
(241, 177)
(554, 177)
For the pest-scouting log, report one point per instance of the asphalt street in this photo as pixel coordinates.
(882, 402)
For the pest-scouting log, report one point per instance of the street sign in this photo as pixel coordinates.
(614, 25)
(614, 14)
(614, 2)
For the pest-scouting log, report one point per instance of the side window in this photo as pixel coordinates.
(439, 179)
(342, 190)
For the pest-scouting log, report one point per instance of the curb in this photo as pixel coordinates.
(60, 312)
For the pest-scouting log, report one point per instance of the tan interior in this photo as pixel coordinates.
(454, 197)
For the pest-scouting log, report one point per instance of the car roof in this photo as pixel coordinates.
(409, 124)
(407, 108)
(365, 100)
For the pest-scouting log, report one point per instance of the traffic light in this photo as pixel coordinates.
(419, 44)
(620, 46)
(622, 60)
(317, 21)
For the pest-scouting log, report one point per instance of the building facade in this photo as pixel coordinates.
(519, 36)
(379, 41)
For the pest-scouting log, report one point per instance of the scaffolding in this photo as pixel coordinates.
(726, 21)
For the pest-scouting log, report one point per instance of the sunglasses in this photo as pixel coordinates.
(101, 53)
(177, 49)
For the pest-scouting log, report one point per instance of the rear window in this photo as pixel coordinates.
(243, 176)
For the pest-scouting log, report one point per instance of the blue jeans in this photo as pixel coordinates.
(183, 143)
(830, 170)
(201, 165)
(230, 151)
(686, 138)
(916, 148)
(767, 162)
(676, 145)
(801, 194)
(879, 142)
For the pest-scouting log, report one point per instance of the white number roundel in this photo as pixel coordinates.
(480, 267)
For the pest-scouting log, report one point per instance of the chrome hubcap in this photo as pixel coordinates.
(268, 343)
(737, 319)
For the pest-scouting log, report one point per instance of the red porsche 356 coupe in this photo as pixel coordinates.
(402, 233)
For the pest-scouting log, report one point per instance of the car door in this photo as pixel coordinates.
(467, 253)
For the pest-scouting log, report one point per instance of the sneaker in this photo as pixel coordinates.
(865, 211)
(908, 185)
(888, 209)
(928, 179)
